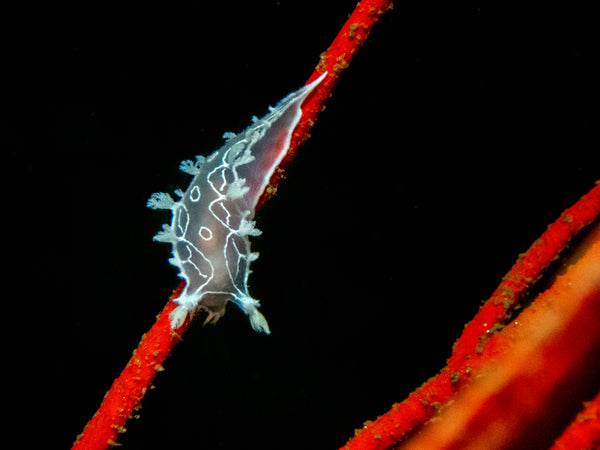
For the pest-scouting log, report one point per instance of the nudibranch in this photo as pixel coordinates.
(213, 218)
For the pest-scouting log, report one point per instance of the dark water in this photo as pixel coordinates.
(445, 151)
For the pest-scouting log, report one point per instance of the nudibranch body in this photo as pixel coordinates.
(212, 220)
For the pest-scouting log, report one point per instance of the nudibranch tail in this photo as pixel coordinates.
(212, 220)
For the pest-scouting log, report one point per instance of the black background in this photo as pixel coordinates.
(451, 142)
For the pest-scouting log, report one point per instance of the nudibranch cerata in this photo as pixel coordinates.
(212, 220)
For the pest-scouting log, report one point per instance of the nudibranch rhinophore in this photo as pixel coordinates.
(212, 220)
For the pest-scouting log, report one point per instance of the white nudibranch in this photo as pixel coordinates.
(213, 218)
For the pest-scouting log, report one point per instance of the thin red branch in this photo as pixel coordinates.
(544, 361)
(470, 351)
(523, 275)
(129, 388)
(334, 61)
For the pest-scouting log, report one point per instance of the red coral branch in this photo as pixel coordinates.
(335, 61)
(470, 352)
(535, 369)
(129, 388)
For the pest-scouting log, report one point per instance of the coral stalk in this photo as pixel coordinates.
(540, 367)
(335, 61)
(129, 388)
(470, 351)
